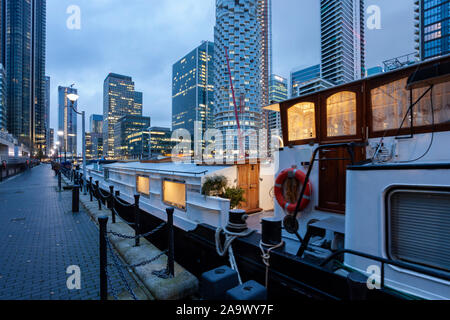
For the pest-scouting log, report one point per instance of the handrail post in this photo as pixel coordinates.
(137, 225)
(98, 195)
(111, 203)
(102, 221)
(171, 252)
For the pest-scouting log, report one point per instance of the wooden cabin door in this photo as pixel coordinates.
(332, 178)
(248, 179)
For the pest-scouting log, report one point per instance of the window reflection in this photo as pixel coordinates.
(341, 114)
(301, 121)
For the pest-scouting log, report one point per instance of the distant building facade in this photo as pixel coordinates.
(67, 121)
(47, 115)
(3, 100)
(126, 131)
(278, 91)
(161, 141)
(23, 44)
(432, 28)
(193, 90)
(51, 138)
(96, 123)
(119, 99)
(342, 40)
(301, 75)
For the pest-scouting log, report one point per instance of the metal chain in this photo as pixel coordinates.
(139, 235)
(118, 215)
(119, 269)
(143, 263)
(122, 203)
(110, 285)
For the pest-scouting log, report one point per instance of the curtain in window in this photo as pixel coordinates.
(341, 114)
(301, 121)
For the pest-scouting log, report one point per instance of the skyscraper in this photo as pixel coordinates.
(239, 42)
(301, 75)
(265, 47)
(3, 100)
(129, 140)
(193, 89)
(47, 115)
(25, 25)
(161, 141)
(278, 91)
(119, 99)
(432, 28)
(342, 40)
(67, 121)
(96, 123)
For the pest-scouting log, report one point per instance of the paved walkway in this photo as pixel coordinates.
(40, 237)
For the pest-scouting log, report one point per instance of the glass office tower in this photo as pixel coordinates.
(48, 147)
(342, 40)
(278, 91)
(24, 22)
(193, 89)
(432, 28)
(119, 99)
(130, 133)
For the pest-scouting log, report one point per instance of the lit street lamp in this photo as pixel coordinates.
(73, 98)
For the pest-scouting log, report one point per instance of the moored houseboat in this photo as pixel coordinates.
(362, 187)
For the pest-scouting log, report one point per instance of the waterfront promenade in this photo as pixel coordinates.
(40, 237)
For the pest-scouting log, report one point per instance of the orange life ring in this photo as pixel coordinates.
(300, 176)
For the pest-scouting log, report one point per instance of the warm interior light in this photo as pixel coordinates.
(60, 133)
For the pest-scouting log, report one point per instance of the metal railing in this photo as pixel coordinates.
(120, 209)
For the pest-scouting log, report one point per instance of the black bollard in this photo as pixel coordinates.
(171, 253)
(111, 194)
(102, 221)
(59, 180)
(112, 204)
(76, 198)
(137, 225)
(90, 188)
(98, 195)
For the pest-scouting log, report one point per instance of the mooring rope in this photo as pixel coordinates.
(266, 256)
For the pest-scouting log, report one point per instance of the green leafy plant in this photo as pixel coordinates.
(214, 186)
(236, 196)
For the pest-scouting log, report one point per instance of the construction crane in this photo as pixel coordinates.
(241, 145)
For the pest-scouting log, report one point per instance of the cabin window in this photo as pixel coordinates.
(143, 185)
(341, 114)
(441, 105)
(419, 226)
(174, 194)
(301, 121)
(390, 103)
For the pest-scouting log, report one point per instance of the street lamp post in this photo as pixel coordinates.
(58, 143)
(73, 98)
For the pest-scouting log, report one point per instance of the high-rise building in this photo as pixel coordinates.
(67, 121)
(94, 145)
(126, 132)
(24, 22)
(51, 139)
(119, 99)
(161, 141)
(193, 89)
(3, 33)
(301, 75)
(48, 148)
(3, 100)
(265, 47)
(278, 91)
(342, 40)
(96, 123)
(138, 102)
(238, 43)
(432, 28)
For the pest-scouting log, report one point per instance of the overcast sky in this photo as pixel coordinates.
(143, 38)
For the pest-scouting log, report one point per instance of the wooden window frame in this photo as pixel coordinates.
(358, 89)
(284, 120)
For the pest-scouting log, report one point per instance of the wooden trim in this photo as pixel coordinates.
(357, 89)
